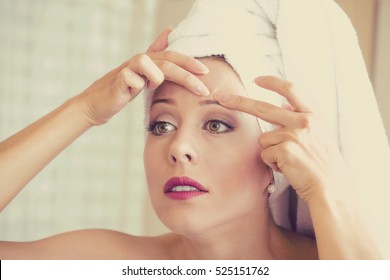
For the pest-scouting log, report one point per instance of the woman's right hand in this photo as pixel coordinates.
(108, 95)
(36, 145)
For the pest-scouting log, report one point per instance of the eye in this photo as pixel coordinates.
(217, 126)
(159, 128)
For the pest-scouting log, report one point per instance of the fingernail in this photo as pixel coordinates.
(202, 90)
(201, 67)
(222, 97)
(259, 79)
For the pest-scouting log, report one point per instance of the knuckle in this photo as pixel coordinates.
(123, 75)
(268, 155)
(236, 101)
(127, 79)
(291, 135)
(170, 55)
(135, 57)
(263, 140)
(263, 107)
(139, 84)
(305, 121)
(288, 87)
(141, 58)
(187, 60)
(287, 148)
(165, 65)
(264, 156)
(188, 78)
(123, 72)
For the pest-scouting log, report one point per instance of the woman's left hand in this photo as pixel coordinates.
(301, 148)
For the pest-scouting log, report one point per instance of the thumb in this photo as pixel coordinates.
(161, 42)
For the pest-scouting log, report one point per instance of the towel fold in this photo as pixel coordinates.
(313, 44)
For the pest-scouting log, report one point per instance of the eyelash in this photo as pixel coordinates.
(229, 126)
(150, 128)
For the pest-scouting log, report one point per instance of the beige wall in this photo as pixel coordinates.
(363, 14)
(371, 19)
(167, 18)
(381, 69)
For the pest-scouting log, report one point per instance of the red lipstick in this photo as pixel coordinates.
(182, 188)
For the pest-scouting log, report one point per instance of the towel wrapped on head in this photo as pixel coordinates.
(311, 43)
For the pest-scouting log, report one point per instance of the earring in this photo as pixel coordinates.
(271, 187)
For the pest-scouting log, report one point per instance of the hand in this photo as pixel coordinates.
(302, 149)
(108, 95)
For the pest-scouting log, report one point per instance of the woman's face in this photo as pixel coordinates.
(202, 160)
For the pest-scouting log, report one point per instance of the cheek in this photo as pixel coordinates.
(244, 167)
(148, 158)
(153, 162)
(238, 163)
(239, 182)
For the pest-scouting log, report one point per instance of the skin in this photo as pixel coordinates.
(192, 149)
(296, 148)
(237, 195)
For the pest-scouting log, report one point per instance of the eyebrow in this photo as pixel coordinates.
(162, 100)
(172, 102)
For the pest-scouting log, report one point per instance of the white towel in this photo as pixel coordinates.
(313, 44)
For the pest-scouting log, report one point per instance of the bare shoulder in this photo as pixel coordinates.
(89, 244)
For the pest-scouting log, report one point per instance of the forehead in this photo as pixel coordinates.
(221, 77)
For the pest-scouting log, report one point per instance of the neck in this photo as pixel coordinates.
(252, 237)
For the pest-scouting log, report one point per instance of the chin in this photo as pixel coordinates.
(185, 223)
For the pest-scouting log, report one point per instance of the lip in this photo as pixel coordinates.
(183, 194)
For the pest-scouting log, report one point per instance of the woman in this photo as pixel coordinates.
(168, 155)
(207, 222)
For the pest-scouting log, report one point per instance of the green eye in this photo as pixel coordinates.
(159, 128)
(162, 128)
(217, 126)
(214, 126)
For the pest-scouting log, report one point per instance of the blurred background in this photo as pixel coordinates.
(52, 50)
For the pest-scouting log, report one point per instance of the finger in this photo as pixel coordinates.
(288, 107)
(186, 62)
(130, 82)
(270, 158)
(262, 110)
(143, 65)
(272, 138)
(161, 42)
(180, 76)
(286, 89)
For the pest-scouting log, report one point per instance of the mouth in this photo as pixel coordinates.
(181, 188)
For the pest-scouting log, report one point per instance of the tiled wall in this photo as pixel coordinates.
(50, 51)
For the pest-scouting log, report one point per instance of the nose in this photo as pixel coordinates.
(182, 149)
